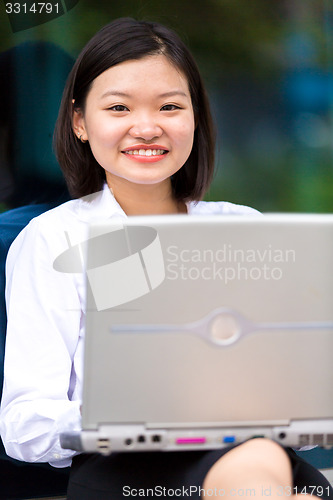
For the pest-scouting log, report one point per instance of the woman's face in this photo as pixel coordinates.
(139, 121)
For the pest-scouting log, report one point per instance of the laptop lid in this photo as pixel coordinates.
(210, 322)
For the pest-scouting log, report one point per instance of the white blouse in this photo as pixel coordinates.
(45, 332)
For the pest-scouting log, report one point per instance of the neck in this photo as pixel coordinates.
(143, 199)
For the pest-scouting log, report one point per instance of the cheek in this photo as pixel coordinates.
(104, 134)
(184, 134)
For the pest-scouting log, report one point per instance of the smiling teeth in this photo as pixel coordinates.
(146, 152)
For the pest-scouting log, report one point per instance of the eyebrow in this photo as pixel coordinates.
(124, 94)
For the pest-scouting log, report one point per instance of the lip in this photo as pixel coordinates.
(145, 147)
(145, 159)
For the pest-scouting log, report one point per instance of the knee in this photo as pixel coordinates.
(261, 449)
(258, 451)
(259, 456)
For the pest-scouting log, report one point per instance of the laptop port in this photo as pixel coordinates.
(141, 438)
(191, 440)
(282, 435)
(304, 439)
(103, 444)
(128, 441)
(318, 439)
(156, 438)
(229, 439)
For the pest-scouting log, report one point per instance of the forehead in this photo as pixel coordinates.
(155, 74)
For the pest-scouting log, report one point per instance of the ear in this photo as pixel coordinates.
(79, 126)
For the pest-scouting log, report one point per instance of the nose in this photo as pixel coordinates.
(146, 127)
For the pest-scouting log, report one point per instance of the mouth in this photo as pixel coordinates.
(146, 153)
(145, 150)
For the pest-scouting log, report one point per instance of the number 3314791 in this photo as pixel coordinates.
(35, 8)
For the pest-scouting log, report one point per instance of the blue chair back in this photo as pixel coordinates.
(18, 479)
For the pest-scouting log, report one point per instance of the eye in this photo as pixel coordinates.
(170, 107)
(118, 107)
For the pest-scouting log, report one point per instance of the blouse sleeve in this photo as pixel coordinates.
(44, 316)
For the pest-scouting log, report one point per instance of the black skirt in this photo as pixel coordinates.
(170, 474)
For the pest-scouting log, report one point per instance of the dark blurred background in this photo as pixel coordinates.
(268, 67)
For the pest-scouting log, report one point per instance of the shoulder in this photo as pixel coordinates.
(80, 212)
(65, 211)
(47, 232)
(65, 225)
(220, 208)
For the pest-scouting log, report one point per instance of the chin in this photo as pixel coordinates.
(149, 181)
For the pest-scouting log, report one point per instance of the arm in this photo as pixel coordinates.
(43, 333)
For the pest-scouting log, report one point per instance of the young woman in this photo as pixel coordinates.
(134, 136)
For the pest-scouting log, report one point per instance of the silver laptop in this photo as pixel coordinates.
(205, 331)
